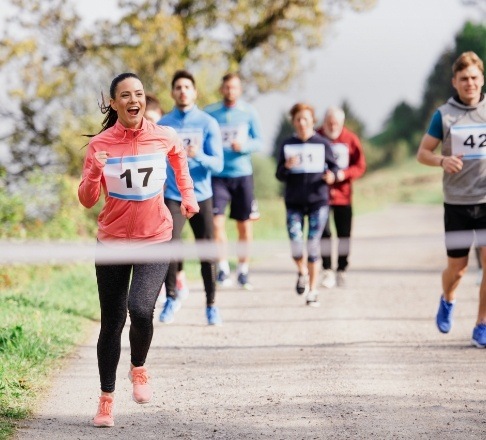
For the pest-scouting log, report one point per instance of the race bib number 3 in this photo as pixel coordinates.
(135, 177)
(231, 133)
(469, 141)
(312, 158)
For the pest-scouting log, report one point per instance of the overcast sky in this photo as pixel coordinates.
(374, 60)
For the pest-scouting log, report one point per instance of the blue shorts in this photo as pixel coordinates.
(464, 225)
(238, 191)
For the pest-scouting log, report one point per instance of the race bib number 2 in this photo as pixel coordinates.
(190, 137)
(469, 141)
(135, 177)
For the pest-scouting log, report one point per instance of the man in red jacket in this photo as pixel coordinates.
(349, 156)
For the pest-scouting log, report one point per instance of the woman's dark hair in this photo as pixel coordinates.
(111, 114)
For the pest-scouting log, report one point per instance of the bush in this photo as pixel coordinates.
(266, 184)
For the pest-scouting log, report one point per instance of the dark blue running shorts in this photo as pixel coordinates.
(238, 191)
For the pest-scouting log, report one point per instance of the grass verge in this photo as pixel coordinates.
(45, 312)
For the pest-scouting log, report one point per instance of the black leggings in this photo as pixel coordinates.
(117, 293)
(202, 227)
(343, 216)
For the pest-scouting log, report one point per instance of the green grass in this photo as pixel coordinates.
(408, 182)
(45, 312)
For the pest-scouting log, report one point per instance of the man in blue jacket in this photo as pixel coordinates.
(202, 139)
(241, 134)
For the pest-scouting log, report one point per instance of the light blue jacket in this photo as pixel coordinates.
(239, 122)
(195, 123)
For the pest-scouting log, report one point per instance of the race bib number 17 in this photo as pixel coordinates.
(135, 177)
(469, 141)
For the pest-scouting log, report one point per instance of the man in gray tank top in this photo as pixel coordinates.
(460, 126)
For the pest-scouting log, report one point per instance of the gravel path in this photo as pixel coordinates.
(368, 364)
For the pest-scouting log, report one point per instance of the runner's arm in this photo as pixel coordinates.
(425, 153)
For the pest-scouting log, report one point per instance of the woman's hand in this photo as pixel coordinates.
(292, 162)
(329, 177)
(101, 157)
(185, 213)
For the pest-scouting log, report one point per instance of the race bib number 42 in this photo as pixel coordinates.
(135, 177)
(469, 141)
(312, 157)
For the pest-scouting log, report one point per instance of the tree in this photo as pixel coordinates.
(438, 86)
(284, 131)
(54, 65)
(352, 121)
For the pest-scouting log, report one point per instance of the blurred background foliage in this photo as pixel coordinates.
(50, 58)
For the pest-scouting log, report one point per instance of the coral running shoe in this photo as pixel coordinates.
(104, 415)
(142, 391)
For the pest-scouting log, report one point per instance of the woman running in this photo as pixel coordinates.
(126, 162)
(306, 165)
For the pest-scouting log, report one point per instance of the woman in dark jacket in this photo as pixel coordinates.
(306, 166)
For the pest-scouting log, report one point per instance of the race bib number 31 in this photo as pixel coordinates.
(135, 177)
(469, 141)
(312, 157)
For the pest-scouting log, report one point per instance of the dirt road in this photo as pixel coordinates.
(368, 364)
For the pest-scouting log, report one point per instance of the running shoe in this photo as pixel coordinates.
(142, 391)
(302, 284)
(223, 279)
(243, 281)
(479, 336)
(444, 315)
(340, 278)
(214, 318)
(255, 213)
(182, 291)
(104, 415)
(171, 306)
(312, 299)
(328, 279)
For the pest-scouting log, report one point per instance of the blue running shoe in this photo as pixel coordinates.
(214, 318)
(171, 306)
(243, 281)
(223, 279)
(444, 315)
(479, 336)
